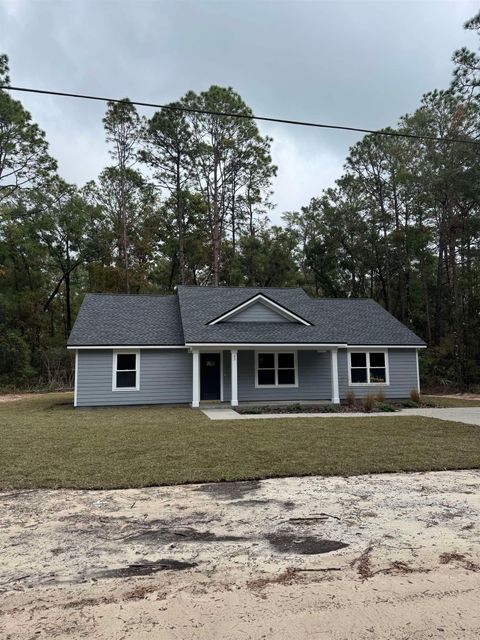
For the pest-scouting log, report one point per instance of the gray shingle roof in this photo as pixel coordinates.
(121, 319)
(106, 319)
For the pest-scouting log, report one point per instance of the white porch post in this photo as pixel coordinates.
(196, 378)
(234, 390)
(335, 394)
(418, 371)
(75, 392)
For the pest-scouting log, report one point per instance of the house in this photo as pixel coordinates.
(237, 344)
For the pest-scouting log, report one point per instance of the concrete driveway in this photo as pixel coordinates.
(467, 415)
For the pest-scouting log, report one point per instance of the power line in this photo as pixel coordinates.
(244, 116)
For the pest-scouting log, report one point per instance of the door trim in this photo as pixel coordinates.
(221, 372)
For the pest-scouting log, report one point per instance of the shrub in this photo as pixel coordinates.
(380, 397)
(329, 408)
(409, 404)
(368, 403)
(15, 367)
(415, 395)
(351, 398)
(384, 406)
(252, 410)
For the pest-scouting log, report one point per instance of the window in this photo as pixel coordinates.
(126, 374)
(276, 369)
(368, 367)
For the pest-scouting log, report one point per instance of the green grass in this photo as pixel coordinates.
(442, 401)
(47, 443)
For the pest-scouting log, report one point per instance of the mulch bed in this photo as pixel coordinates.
(329, 408)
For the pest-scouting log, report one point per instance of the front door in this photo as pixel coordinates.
(210, 376)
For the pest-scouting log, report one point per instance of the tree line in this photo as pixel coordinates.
(186, 197)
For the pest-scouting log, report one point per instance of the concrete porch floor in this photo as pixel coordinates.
(209, 404)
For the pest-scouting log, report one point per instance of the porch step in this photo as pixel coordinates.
(222, 413)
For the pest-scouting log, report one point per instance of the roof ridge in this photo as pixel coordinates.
(343, 298)
(211, 286)
(146, 295)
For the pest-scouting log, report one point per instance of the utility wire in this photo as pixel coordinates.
(244, 116)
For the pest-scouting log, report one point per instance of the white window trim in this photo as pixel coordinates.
(134, 352)
(276, 385)
(368, 383)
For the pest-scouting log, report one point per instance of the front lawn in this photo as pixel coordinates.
(446, 402)
(45, 442)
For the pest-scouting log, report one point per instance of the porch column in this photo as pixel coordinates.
(76, 378)
(234, 390)
(418, 370)
(335, 394)
(196, 378)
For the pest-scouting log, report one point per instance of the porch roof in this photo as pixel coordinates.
(333, 320)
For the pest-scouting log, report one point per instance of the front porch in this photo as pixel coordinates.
(216, 404)
(268, 375)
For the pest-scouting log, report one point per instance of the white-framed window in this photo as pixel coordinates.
(276, 369)
(368, 367)
(126, 371)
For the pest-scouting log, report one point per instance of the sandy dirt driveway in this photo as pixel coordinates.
(385, 556)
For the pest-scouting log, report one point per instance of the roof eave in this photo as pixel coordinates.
(126, 346)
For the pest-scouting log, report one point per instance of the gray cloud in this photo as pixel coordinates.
(361, 63)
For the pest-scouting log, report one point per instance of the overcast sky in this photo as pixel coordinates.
(352, 62)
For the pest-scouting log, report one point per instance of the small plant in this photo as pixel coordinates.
(368, 403)
(380, 397)
(295, 406)
(350, 398)
(384, 406)
(415, 395)
(409, 404)
(329, 408)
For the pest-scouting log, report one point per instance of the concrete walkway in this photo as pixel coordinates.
(468, 415)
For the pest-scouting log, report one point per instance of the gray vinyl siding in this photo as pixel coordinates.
(313, 379)
(165, 377)
(258, 312)
(402, 369)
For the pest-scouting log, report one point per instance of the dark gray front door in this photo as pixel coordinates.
(210, 369)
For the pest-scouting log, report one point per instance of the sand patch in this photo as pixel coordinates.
(384, 556)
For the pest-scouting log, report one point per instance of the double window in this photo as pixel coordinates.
(126, 374)
(276, 369)
(368, 367)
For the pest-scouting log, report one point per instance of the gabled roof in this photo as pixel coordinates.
(259, 298)
(183, 319)
(127, 320)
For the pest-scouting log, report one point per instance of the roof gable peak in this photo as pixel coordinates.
(260, 299)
